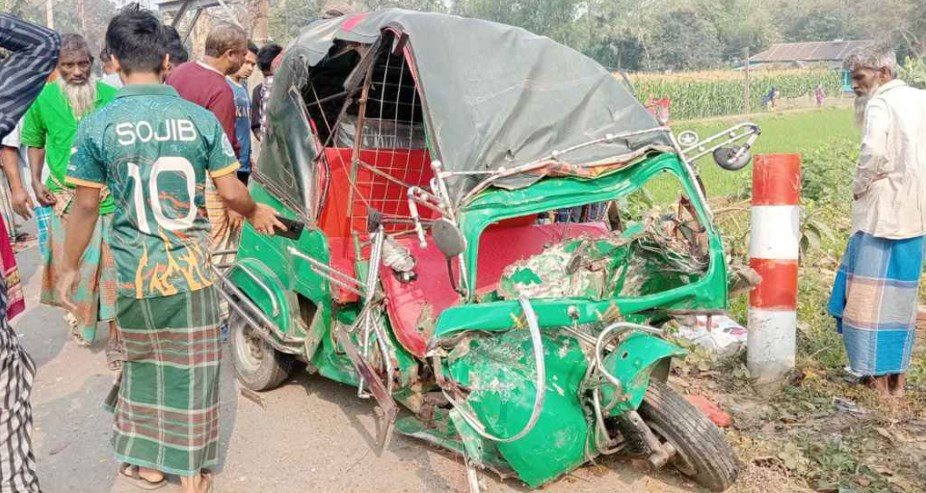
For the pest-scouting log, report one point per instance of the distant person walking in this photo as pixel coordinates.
(875, 293)
(770, 100)
(820, 95)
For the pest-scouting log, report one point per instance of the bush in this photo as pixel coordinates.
(826, 174)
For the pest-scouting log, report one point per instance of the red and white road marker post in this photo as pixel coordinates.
(773, 250)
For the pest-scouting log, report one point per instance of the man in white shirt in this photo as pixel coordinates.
(875, 294)
(17, 197)
(110, 76)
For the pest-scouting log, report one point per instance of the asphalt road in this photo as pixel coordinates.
(311, 435)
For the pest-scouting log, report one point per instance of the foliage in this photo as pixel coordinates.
(913, 72)
(824, 177)
(823, 20)
(86, 17)
(661, 34)
(687, 40)
(553, 18)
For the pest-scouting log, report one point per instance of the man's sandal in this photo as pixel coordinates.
(73, 325)
(210, 481)
(115, 355)
(129, 474)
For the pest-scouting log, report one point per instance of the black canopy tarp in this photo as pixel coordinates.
(498, 96)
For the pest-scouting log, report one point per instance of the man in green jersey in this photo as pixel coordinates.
(48, 131)
(155, 152)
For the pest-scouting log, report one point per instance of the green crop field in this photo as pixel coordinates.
(721, 92)
(800, 132)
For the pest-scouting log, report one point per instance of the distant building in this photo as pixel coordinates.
(827, 53)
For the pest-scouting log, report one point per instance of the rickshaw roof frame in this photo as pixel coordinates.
(515, 111)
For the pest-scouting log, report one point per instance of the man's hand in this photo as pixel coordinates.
(22, 202)
(43, 194)
(234, 219)
(66, 280)
(264, 219)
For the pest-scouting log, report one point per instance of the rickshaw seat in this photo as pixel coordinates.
(502, 245)
(411, 166)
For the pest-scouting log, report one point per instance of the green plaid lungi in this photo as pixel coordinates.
(166, 405)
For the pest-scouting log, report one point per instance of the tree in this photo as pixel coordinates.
(900, 23)
(288, 17)
(686, 40)
(556, 19)
(822, 20)
(742, 24)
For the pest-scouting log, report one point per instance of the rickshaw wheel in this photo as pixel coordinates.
(703, 452)
(257, 365)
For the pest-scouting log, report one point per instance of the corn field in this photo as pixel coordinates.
(707, 94)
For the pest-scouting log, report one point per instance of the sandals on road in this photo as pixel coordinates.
(76, 336)
(129, 474)
(115, 354)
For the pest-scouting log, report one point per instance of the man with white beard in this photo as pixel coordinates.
(49, 131)
(875, 295)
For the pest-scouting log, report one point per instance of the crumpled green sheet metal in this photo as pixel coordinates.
(645, 259)
(500, 373)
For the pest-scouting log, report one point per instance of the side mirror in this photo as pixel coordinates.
(732, 158)
(448, 238)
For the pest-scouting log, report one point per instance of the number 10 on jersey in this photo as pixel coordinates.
(175, 164)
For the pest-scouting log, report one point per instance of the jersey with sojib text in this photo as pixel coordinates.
(154, 150)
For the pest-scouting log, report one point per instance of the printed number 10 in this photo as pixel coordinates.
(170, 163)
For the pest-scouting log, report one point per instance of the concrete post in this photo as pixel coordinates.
(773, 251)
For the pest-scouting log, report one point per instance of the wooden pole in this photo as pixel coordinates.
(747, 95)
(261, 23)
(50, 13)
(82, 17)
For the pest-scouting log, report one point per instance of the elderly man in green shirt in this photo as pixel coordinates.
(49, 130)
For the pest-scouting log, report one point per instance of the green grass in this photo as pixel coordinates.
(796, 132)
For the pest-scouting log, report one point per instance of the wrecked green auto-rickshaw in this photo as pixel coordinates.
(468, 241)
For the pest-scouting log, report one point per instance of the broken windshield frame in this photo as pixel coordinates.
(561, 193)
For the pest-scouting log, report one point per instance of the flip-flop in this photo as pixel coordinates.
(209, 479)
(76, 336)
(115, 355)
(129, 474)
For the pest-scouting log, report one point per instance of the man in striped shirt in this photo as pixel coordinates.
(22, 75)
(34, 54)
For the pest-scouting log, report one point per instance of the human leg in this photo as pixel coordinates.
(17, 373)
(875, 299)
(166, 403)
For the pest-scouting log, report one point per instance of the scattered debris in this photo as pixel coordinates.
(253, 397)
(60, 448)
(713, 412)
(719, 333)
(660, 252)
(847, 406)
(793, 459)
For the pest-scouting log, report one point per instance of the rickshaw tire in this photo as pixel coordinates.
(694, 436)
(270, 373)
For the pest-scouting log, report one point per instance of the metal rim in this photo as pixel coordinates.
(680, 461)
(250, 349)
